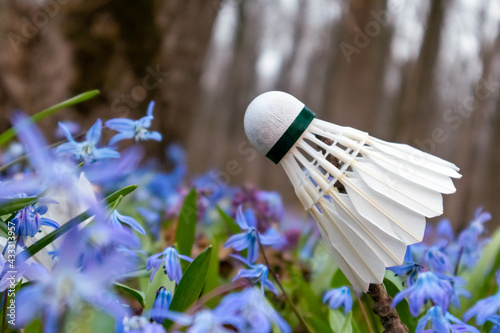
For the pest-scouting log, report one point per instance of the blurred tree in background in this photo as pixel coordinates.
(426, 73)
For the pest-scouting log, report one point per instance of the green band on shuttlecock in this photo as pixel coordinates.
(291, 135)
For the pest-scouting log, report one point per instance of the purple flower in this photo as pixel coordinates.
(443, 323)
(339, 297)
(171, 260)
(161, 305)
(428, 286)
(248, 239)
(256, 274)
(86, 150)
(116, 219)
(136, 129)
(267, 206)
(483, 309)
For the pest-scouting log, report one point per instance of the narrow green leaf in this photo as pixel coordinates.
(41, 243)
(13, 205)
(191, 284)
(4, 231)
(403, 307)
(11, 132)
(233, 227)
(347, 327)
(186, 225)
(138, 295)
(212, 281)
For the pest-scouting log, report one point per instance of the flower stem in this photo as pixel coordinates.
(361, 305)
(294, 308)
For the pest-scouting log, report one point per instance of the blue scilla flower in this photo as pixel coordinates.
(254, 313)
(445, 230)
(152, 219)
(116, 219)
(140, 324)
(68, 285)
(161, 305)
(409, 268)
(469, 242)
(206, 321)
(134, 129)
(23, 271)
(484, 309)
(99, 240)
(29, 220)
(495, 319)
(443, 323)
(211, 321)
(339, 297)
(436, 258)
(256, 274)
(458, 285)
(248, 239)
(428, 286)
(171, 259)
(86, 150)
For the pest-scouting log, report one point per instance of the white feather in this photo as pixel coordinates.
(412, 172)
(417, 198)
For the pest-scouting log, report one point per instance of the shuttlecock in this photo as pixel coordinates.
(369, 197)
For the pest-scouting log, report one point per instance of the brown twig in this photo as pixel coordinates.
(383, 308)
(294, 308)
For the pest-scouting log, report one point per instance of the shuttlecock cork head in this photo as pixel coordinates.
(274, 121)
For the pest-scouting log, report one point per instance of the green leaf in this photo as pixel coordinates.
(484, 271)
(233, 227)
(392, 284)
(186, 225)
(11, 132)
(138, 295)
(159, 280)
(339, 280)
(336, 319)
(347, 327)
(318, 325)
(4, 230)
(41, 243)
(191, 284)
(212, 281)
(13, 205)
(305, 292)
